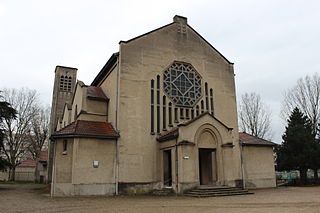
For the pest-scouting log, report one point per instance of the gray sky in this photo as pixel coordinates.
(271, 42)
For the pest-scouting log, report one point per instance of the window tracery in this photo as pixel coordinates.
(182, 84)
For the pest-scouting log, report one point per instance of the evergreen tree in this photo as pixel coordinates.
(296, 151)
(6, 112)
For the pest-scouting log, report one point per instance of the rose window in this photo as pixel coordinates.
(182, 84)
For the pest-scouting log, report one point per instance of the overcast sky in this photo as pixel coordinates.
(271, 42)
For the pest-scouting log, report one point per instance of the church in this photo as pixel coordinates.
(161, 113)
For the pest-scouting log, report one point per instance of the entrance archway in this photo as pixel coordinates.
(208, 148)
(207, 166)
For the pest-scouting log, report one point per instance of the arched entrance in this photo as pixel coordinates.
(207, 166)
(207, 152)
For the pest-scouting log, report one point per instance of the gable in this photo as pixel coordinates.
(177, 32)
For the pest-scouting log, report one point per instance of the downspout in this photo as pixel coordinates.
(177, 166)
(242, 166)
(117, 169)
(116, 124)
(53, 176)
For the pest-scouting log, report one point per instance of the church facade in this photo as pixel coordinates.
(161, 113)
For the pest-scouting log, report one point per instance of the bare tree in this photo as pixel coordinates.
(38, 135)
(24, 101)
(305, 95)
(254, 116)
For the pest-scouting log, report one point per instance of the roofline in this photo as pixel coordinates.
(111, 61)
(137, 37)
(83, 136)
(186, 142)
(81, 84)
(256, 144)
(210, 44)
(72, 68)
(167, 138)
(98, 99)
(200, 116)
(168, 135)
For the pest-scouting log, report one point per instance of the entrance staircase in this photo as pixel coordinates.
(216, 191)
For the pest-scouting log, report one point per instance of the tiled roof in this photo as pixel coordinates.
(29, 162)
(250, 140)
(91, 129)
(96, 93)
(44, 156)
(106, 68)
(200, 116)
(172, 134)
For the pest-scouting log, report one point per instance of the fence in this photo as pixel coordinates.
(24, 176)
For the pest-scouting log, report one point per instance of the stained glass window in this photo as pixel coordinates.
(182, 84)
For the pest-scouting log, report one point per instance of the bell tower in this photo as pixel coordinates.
(63, 89)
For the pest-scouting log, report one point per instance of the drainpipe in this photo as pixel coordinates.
(177, 166)
(116, 124)
(117, 169)
(242, 166)
(53, 176)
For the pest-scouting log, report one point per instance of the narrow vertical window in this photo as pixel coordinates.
(192, 113)
(181, 113)
(187, 114)
(75, 112)
(69, 84)
(61, 82)
(64, 146)
(170, 114)
(211, 101)
(202, 106)
(158, 104)
(176, 115)
(164, 114)
(158, 82)
(197, 110)
(152, 106)
(207, 98)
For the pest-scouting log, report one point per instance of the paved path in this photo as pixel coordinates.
(28, 198)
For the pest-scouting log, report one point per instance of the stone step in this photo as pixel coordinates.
(217, 195)
(215, 191)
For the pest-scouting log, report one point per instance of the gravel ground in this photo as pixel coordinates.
(29, 198)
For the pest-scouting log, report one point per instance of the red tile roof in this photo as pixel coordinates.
(96, 93)
(44, 156)
(91, 129)
(29, 162)
(250, 140)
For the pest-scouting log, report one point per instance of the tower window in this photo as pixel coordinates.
(65, 83)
